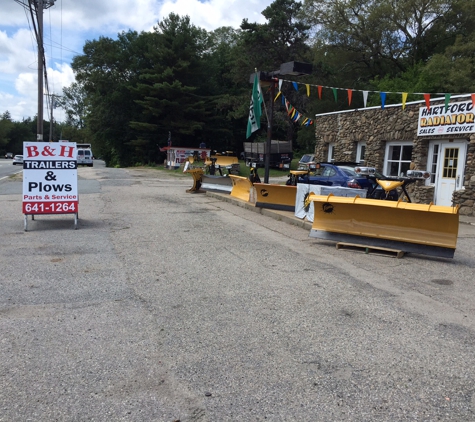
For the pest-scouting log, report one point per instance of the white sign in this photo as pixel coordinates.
(437, 120)
(50, 178)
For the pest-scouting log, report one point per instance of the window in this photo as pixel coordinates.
(433, 160)
(360, 152)
(450, 163)
(398, 159)
(329, 171)
(331, 152)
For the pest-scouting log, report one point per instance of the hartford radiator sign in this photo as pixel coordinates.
(50, 178)
(455, 118)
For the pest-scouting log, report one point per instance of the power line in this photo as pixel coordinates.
(36, 8)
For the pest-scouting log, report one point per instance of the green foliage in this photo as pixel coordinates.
(130, 92)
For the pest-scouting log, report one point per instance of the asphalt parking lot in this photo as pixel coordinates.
(171, 306)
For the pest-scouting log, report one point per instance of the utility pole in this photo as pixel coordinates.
(39, 38)
(51, 126)
(36, 8)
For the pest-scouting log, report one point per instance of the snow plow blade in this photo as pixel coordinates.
(196, 174)
(241, 187)
(216, 183)
(417, 228)
(275, 197)
(225, 161)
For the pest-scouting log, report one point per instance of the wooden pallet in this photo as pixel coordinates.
(376, 250)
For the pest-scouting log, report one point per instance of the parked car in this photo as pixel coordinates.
(306, 161)
(346, 175)
(17, 159)
(9, 155)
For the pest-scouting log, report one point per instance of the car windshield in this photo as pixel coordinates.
(305, 158)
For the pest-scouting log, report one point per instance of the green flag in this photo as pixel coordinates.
(255, 109)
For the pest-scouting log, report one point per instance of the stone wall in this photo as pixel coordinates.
(376, 127)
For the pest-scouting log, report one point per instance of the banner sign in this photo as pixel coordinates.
(447, 119)
(50, 178)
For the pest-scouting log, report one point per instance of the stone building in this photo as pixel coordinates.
(436, 137)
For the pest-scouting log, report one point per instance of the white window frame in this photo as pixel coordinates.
(360, 157)
(331, 152)
(387, 161)
(431, 165)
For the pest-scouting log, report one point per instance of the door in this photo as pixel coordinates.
(450, 172)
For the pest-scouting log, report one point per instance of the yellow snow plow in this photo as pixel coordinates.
(216, 183)
(241, 187)
(417, 228)
(276, 197)
(197, 175)
(225, 160)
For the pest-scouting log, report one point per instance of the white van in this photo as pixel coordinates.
(84, 157)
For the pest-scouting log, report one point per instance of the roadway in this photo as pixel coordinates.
(7, 168)
(171, 306)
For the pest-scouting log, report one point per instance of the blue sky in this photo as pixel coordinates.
(69, 23)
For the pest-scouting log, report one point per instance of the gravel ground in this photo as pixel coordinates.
(171, 306)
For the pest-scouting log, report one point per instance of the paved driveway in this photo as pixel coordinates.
(167, 306)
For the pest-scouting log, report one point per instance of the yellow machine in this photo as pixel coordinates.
(294, 175)
(276, 197)
(417, 228)
(224, 160)
(197, 175)
(241, 187)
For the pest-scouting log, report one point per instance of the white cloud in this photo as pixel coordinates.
(216, 13)
(69, 23)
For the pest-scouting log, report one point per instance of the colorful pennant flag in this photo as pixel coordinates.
(447, 100)
(383, 99)
(427, 98)
(365, 98)
(404, 98)
(295, 115)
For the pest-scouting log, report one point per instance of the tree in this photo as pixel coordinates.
(5, 128)
(73, 101)
(108, 70)
(175, 91)
(383, 37)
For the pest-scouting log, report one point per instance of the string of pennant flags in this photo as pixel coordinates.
(294, 114)
(298, 117)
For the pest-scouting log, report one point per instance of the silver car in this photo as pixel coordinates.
(17, 159)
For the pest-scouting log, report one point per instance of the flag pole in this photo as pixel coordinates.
(269, 132)
(265, 108)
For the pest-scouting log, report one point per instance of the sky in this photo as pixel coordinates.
(68, 24)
